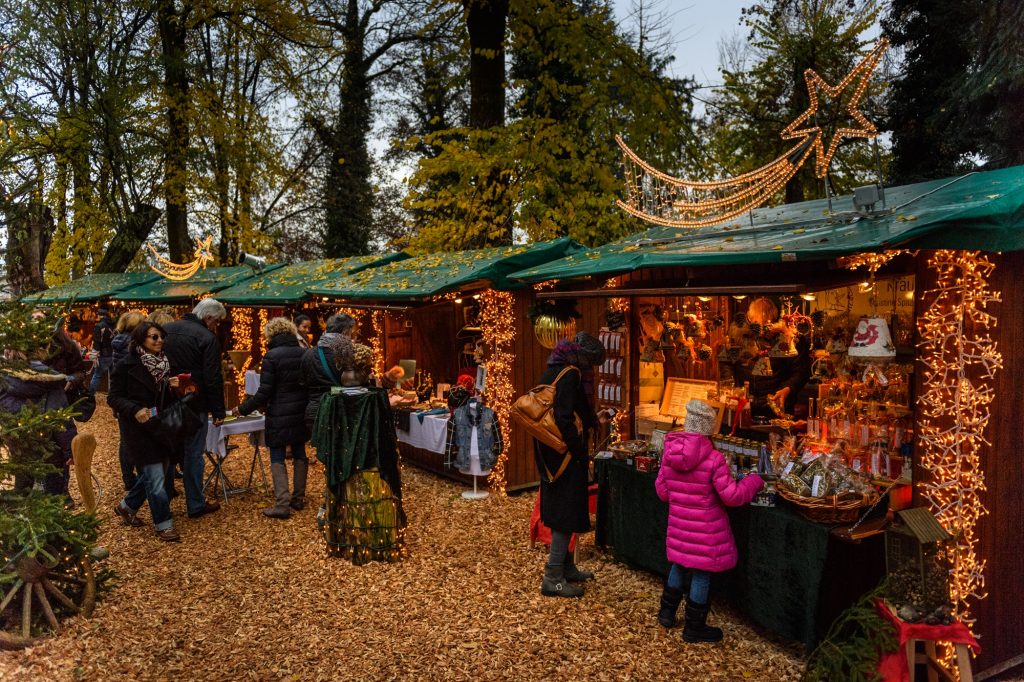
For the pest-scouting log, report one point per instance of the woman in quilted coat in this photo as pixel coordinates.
(697, 484)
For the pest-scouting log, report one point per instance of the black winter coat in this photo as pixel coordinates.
(564, 503)
(316, 380)
(193, 349)
(132, 388)
(281, 393)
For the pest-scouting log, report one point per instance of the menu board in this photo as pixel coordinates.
(678, 392)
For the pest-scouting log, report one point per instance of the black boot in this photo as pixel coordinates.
(670, 599)
(696, 628)
(555, 584)
(573, 574)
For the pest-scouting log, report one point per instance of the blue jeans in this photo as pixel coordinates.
(298, 453)
(193, 467)
(700, 582)
(149, 487)
(102, 368)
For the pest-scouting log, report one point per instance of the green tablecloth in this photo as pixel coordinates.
(793, 576)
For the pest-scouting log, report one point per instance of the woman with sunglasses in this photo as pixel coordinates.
(138, 391)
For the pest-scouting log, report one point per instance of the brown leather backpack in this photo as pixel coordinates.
(533, 410)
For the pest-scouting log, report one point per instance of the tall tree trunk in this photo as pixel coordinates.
(485, 22)
(172, 26)
(29, 230)
(129, 238)
(348, 195)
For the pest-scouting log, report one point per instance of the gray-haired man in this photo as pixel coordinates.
(192, 347)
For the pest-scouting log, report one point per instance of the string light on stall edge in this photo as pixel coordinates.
(241, 337)
(960, 361)
(377, 341)
(498, 334)
(675, 202)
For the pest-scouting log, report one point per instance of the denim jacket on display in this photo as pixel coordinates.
(488, 434)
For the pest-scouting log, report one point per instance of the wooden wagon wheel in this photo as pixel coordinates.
(49, 590)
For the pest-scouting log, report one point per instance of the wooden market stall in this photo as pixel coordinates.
(796, 575)
(282, 291)
(452, 313)
(84, 295)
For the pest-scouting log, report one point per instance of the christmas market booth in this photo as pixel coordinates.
(850, 351)
(459, 328)
(83, 296)
(282, 291)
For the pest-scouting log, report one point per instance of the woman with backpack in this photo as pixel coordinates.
(564, 499)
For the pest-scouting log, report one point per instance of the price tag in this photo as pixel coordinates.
(816, 486)
(789, 468)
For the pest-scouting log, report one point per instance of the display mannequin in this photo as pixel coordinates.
(474, 469)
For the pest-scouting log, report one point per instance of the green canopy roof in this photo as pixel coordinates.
(436, 273)
(206, 281)
(288, 284)
(982, 210)
(91, 287)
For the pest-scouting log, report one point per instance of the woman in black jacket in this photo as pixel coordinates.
(284, 399)
(138, 391)
(563, 482)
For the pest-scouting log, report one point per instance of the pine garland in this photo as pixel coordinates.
(854, 644)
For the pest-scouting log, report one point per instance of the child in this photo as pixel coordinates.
(695, 481)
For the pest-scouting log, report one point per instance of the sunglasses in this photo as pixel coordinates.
(155, 337)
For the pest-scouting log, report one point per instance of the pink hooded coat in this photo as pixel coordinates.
(695, 481)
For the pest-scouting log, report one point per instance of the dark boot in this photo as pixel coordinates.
(555, 584)
(573, 574)
(279, 474)
(670, 599)
(300, 467)
(696, 628)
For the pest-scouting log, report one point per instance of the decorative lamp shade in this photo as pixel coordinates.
(550, 330)
(872, 341)
(238, 358)
(784, 347)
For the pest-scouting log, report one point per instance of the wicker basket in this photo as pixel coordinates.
(829, 510)
(628, 449)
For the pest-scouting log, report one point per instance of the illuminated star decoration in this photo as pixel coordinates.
(663, 199)
(181, 271)
(858, 79)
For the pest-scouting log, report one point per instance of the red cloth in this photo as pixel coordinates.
(893, 665)
(541, 533)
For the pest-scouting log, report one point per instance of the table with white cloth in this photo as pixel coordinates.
(425, 444)
(217, 452)
(252, 381)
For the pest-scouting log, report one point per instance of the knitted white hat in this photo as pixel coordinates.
(700, 417)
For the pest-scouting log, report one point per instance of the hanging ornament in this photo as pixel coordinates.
(674, 202)
(182, 271)
(550, 330)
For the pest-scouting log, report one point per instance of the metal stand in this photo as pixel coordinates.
(475, 494)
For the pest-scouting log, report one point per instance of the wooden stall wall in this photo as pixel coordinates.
(1000, 616)
(434, 342)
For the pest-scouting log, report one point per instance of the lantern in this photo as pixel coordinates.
(550, 330)
(917, 564)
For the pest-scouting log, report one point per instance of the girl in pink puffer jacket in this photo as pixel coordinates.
(696, 482)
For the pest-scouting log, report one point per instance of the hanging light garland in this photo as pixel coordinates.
(498, 333)
(241, 338)
(675, 202)
(262, 336)
(960, 360)
(377, 341)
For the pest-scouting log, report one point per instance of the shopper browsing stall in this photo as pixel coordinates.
(695, 481)
(564, 504)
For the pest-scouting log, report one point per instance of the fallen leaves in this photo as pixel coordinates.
(244, 597)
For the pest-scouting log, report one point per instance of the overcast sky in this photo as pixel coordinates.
(696, 27)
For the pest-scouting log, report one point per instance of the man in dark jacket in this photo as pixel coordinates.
(192, 348)
(102, 335)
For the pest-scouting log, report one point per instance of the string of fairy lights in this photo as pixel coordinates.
(960, 360)
(663, 199)
(241, 338)
(498, 331)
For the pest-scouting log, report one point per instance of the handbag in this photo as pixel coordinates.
(83, 402)
(533, 410)
(176, 423)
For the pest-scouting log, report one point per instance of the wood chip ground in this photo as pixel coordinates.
(244, 597)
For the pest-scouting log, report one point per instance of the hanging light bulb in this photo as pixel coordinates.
(739, 297)
(809, 297)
